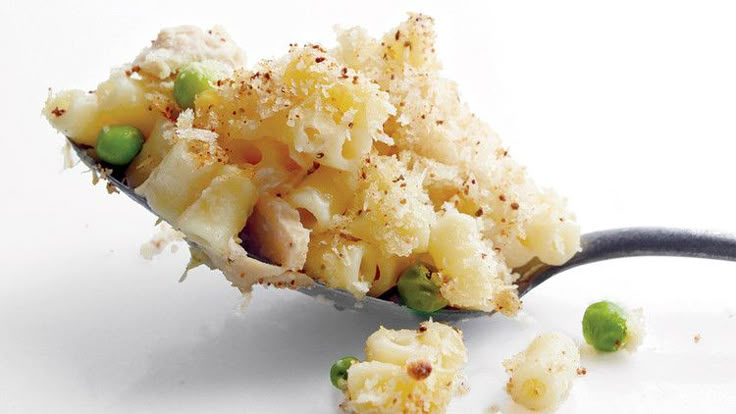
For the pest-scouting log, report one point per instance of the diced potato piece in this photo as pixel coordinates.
(180, 178)
(222, 210)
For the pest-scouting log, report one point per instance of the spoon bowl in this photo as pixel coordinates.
(595, 247)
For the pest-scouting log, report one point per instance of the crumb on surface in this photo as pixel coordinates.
(697, 338)
(494, 410)
(164, 236)
(70, 160)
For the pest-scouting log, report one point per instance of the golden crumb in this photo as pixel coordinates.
(165, 235)
(494, 410)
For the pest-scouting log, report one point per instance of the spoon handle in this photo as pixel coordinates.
(655, 241)
(636, 241)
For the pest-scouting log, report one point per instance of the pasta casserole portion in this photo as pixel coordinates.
(407, 371)
(346, 165)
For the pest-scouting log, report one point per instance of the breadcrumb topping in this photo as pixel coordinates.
(344, 165)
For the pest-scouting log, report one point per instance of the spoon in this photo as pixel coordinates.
(595, 247)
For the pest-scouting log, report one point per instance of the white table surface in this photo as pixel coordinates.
(628, 108)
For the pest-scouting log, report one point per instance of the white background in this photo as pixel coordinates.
(626, 107)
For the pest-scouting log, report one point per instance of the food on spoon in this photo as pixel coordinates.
(339, 372)
(406, 371)
(542, 375)
(344, 165)
(608, 327)
(119, 144)
(192, 80)
(419, 289)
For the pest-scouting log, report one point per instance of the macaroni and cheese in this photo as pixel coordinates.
(407, 371)
(343, 165)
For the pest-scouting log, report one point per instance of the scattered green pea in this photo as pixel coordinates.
(119, 144)
(339, 372)
(604, 326)
(190, 81)
(418, 291)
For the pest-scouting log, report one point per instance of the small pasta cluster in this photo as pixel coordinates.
(542, 375)
(346, 165)
(407, 371)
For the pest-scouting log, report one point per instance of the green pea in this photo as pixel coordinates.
(604, 326)
(418, 291)
(190, 81)
(339, 372)
(119, 144)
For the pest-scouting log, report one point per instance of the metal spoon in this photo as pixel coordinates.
(596, 247)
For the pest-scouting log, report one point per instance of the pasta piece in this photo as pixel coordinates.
(222, 209)
(324, 194)
(552, 233)
(386, 270)
(542, 375)
(393, 210)
(338, 263)
(355, 266)
(324, 111)
(80, 115)
(474, 278)
(407, 371)
(180, 178)
(158, 144)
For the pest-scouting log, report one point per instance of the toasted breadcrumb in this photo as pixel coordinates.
(164, 236)
(343, 165)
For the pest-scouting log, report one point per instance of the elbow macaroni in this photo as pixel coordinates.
(346, 165)
(542, 375)
(407, 371)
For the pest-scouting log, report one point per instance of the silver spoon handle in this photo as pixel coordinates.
(637, 241)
